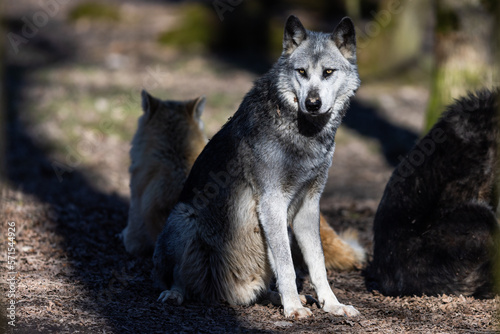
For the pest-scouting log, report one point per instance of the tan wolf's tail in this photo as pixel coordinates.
(341, 252)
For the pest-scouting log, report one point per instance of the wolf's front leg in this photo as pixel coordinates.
(306, 230)
(273, 217)
(174, 296)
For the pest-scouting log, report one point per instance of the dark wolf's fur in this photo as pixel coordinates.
(435, 226)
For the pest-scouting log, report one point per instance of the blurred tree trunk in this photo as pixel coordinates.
(353, 9)
(390, 37)
(463, 52)
(255, 28)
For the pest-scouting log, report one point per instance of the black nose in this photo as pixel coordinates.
(313, 104)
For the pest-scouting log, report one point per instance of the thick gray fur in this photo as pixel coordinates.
(262, 173)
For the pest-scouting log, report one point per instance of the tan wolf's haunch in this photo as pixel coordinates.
(169, 137)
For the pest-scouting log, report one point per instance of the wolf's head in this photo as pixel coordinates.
(317, 71)
(169, 130)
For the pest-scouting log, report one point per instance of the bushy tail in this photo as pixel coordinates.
(341, 252)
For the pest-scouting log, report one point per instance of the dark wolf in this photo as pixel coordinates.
(435, 227)
(260, 175)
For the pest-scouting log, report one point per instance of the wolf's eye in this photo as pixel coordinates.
(301, 71)
(328, 72)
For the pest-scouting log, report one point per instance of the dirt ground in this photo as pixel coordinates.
(73, 100)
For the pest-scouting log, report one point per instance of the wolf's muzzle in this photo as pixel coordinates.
(313, 103)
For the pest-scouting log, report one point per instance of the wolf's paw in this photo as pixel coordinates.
(341, 309)
(171, 297)
(297, 312)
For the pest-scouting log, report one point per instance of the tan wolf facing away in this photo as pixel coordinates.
(168, 140)
(169, 137)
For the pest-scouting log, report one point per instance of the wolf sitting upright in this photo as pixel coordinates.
(168, 140)
(263, 171)
(435, 227)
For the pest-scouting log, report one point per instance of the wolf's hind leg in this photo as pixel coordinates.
(135, 236)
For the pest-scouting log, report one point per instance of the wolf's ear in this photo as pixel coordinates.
(295, 33)
(149, 104)
(344, 37)
(196, 107)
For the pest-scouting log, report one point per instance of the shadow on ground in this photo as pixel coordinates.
(395, 141)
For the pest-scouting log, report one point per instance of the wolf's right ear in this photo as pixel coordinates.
(196, 107)
(149, 104)
(344, 37)
(294, 34)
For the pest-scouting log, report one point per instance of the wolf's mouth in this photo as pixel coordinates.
(315, 113)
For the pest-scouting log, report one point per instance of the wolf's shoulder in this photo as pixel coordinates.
(220, 150)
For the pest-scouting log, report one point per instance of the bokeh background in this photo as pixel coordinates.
(72, 72)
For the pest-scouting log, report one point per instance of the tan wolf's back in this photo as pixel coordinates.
(169, 137)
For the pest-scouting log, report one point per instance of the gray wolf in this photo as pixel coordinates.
(168, 140)
(262, 174)
(435, 226)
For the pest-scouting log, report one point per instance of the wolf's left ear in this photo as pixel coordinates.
(295, 33)
(149, 104)
(344, 37)
(196, 107)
